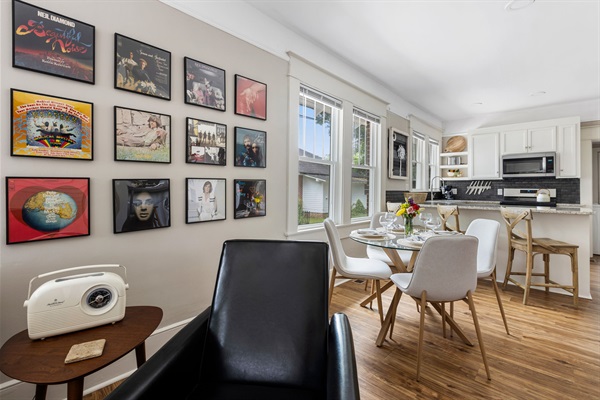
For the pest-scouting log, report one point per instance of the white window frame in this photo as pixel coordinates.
(430, 163)
(375, 135)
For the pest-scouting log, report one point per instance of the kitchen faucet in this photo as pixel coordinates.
(431, 184)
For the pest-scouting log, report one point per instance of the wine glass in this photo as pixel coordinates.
(434, 223)
(424, 218)
(386, 220)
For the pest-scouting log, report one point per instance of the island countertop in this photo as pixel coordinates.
(574, 209)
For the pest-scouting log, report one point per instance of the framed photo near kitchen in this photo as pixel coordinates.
(250, 198)
(53, 44)
(142, 68)
(398, 154)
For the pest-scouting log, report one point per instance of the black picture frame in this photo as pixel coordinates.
(48, 126)
(250, 98)
(69, 52)
(197, 208)
(399, 152)
(247, 142)
(44, 208)
(204, 85)
(141, 204)
(152, 79)
(142, 136)
(250, 198)
(206, 142)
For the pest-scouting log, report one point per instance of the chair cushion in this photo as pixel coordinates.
(234, 391)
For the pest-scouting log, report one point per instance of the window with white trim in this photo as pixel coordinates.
(425, 161)
(365, 128)
(318, 126)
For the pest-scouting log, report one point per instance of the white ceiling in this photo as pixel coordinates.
(444, 56)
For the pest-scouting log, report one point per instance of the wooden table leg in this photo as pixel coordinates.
(374, 294)
(391, 315)
(140, 354)
(40, 392)
(75, 389)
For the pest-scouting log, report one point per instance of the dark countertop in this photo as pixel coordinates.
(574, 209)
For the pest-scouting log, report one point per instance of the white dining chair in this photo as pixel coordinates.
(487, 231)
(445, 271)
(346, 267)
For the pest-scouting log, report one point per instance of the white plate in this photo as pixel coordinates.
(446, 233)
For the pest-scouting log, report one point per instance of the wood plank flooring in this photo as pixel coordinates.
(552, 352)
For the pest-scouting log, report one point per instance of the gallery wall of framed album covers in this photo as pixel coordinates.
(46, 208)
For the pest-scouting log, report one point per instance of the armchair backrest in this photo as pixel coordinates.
(269, 316)
(446, 268)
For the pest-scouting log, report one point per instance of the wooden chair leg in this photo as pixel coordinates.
(546, 258)
(421, 329)
(511, 256)
(451, 316)
(575, 271)
(379, 302)
(478, 331)
(443, 305)
(529, 271)
(331, 285)
(394, 314)
(495, 284)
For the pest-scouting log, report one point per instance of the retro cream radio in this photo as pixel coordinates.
(76, 302)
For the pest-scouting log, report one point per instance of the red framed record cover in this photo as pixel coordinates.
(46, 208)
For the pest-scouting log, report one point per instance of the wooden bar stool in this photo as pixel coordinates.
(524, 241)
(445, 213)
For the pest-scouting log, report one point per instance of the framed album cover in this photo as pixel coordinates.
(46, 208)
(250, 98)
(53, 44)
(141, 204)
(250, 198)
(205, 200)
(250, 148)
(49, 126)
(206, 142)
(204, 84)
(142, 136)
(142, 68)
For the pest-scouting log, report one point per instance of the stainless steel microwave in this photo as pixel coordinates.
(528, 165)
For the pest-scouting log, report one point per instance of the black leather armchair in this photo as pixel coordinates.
(266, 335)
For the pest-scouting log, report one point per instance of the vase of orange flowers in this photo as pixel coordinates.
(408, 210)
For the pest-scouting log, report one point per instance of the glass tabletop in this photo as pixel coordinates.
(397, 241)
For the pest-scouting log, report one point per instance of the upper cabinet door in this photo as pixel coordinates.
(514, 142)
(568, 151)
(484, 151)
(542, 139)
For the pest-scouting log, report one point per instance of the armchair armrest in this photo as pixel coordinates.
(173, 371)
(342, 376)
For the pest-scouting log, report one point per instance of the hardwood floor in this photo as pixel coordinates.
(552, 352)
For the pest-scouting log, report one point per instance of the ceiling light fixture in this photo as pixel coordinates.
(540, 93)
(478, 103)
(514, 5)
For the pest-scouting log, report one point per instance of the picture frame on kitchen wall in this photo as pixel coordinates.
(141, 204)
(46, 208)
(250, 148)
(250, 98)
(204, 84)
(399, 151)
(250, 198)
(142, 136)
(53, 44)
(51, 127)
(142, 68)
(206, 142)
(205, 200)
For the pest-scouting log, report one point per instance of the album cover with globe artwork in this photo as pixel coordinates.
(46, 208)
(52, 127)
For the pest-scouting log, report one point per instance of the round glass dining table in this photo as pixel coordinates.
(390, 243)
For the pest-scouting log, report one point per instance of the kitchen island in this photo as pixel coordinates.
(567, 222)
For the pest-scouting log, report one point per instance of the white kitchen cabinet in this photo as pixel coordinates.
(568, 151)
(533, 140)
(484, 149)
